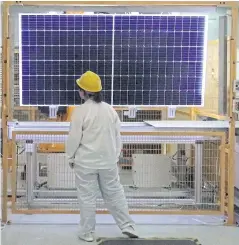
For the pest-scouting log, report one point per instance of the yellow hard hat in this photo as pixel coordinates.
(90, 82)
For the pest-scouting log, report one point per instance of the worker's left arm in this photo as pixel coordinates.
(75, 135)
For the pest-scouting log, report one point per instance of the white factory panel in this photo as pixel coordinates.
(151, 170)
(60, 175)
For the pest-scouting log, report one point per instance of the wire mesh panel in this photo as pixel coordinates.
(227, 176)
(141, 115)
(21, 114)
(16, 89)
(186, 178)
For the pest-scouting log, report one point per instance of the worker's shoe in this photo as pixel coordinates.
(88, 237)
(130, 232)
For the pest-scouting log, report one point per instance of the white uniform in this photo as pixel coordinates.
(94, 140)
(94, 145)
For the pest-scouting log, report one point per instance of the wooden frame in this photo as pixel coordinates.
(6, 82)
(5, 106)
(204, 113)
(123, 3)
(222, 172)
(231, 138)
(220, 135)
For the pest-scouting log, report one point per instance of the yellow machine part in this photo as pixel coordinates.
(69, 113)
(56, 148)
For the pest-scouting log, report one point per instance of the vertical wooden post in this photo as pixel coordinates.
(33, 113)
(5, 106)
(231, 139)
(222, 173)
(193, 115)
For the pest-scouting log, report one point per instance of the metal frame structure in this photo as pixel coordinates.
(228, 125)
(151, 135)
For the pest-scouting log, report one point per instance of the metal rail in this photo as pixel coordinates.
(148, 126)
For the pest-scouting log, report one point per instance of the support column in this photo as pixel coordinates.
(231, 135)
(198, 172)
(31, 171)
(222, 101)
(5, 106)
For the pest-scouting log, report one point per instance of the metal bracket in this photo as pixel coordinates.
(131, 113)
(236, 89)
(198, 172)
(171, 112)
(236, 108)
(53, 111)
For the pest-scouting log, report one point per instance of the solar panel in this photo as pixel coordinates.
(142, 59)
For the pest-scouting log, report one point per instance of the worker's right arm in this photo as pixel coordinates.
(118, 136)
(75, 135)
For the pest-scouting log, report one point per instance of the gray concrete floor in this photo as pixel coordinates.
(67, 234)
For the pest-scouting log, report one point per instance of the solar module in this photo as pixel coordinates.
(152, 60)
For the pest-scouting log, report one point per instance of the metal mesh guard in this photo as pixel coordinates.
(163, 241)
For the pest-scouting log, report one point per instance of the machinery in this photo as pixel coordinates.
(151, 171)
(150, 177)
(63, 115)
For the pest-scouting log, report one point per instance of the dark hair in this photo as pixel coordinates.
(96, 97)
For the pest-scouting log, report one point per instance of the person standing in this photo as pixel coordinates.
(93, 148)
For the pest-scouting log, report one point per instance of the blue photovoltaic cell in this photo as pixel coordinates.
(157, 60)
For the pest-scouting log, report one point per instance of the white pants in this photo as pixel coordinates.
(88, 183)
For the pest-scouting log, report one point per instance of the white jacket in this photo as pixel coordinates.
(94, 139)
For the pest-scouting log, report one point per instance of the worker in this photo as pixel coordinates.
(93, 148)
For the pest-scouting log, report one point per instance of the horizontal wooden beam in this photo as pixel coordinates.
(125, 3)
(185, 113)
(25, 108)
(142, 212)
(127, 133)
(118, 108)
(203, 113)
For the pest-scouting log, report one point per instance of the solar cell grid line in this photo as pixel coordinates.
(127, 65)
(36, 84)
(195, 66)
(188, 63)
(143, 61)
(112, 68)
(150, 68)
(173, 56)
(165, 67)
(157, 68)
(50, 93)
(59, 63)
(135, 82)
(69, 66)
(180, 65)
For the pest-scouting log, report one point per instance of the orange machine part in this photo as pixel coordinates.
(57, 148)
